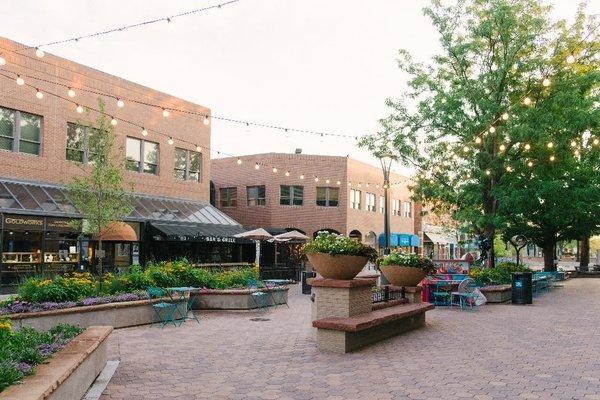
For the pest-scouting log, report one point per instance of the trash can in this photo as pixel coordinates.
(306, 288)
(522, 289)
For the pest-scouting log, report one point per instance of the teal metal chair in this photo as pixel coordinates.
(465, 295)
(442, 293)
(164, 312)
(259, 298)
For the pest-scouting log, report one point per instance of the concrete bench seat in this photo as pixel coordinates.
(497, 293)
(342, 335)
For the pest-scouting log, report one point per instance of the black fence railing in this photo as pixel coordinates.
(281, 271)
(382, 294)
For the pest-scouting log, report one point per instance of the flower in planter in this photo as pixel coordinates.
(334, 245)
(408, 260)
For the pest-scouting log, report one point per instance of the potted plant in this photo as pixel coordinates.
(337, 256)
(405, 269)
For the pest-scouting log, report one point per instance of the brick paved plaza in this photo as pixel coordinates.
(548, 350)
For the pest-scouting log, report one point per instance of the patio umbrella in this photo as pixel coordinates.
(257, 235)
(291, 235)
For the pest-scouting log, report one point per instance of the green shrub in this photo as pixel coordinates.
(500, 275)
(72, 287)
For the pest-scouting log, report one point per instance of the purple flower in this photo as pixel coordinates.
(46, 349)
(23, 367)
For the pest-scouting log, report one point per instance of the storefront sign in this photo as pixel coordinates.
(217, 239)
(61, 225)
(23, 222)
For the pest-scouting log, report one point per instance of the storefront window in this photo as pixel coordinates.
(26, 138)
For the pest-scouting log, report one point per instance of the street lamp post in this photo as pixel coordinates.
(386, 165)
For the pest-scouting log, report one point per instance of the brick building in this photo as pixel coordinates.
(310, 193)
(44, 144)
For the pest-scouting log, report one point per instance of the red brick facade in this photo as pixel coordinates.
(310, 218)
(52, 166)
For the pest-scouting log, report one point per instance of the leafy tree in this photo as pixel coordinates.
(472, 118)
(99, 194)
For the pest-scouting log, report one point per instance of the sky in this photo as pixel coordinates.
(322, 65)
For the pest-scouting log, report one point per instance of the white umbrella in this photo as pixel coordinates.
(257, 235)
(291, 235)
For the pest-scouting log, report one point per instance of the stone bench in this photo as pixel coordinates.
(497, 293)
(342, 335)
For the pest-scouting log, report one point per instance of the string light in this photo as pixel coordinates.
(120, 103)
(207, 121)
(527, 146)
(552, 158)
(113, 121)
(144, 132)
(274, 170)
(256, 166)
(573, 143)
(466, 149)
(301, 176)
(509, 169)
(239, 161)
(316, 179)
(488, 172)
(327, 181)
(199, 148)
(502, 147)
(527, 101)
(287, 173)
(505, 116)
(20, 81)
(39, 94)
(165, 113)
(530, 164)
(550, 145)
(39, 52)
(71, 93)
(478, 140)
(2, 61)
(596, 141)
(338, 183)
(170, 141)
(546, 82)
(570, 59)
(79, 109)
(492, 129)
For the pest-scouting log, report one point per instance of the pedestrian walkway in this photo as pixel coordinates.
(549, 350)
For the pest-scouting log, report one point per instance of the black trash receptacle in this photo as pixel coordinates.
(522, 288)
(306, 288)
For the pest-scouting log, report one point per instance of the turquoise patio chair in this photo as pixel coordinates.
(259, 298)
(441, 294)
(164, 312)
(464, 294)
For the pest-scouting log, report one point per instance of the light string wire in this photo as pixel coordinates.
(171, 139)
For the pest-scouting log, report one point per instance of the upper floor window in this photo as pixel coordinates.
(370, 201)
(396, 207)
(20, 132)
(355, 199)
(228, 197)
(407, 209)
(381, 204)
(291, 195)
(142, 156)
(255, 195)
(188, 165)
(328, 196)
(80, 142)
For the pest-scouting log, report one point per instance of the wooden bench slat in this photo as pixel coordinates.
(375, 318)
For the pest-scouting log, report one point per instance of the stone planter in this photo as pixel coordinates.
(402, 276)
(69, 373)
(238, 299)
(343, 267)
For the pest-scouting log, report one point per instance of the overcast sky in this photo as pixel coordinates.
(324, 65)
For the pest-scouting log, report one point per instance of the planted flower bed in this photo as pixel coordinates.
(22, 350)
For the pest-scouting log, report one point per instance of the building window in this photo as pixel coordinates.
(188, 165)
(141, 156)
(407, 209)
(228, 197)
(396, 207)
(80, 143)
(328, 196)
(370, 202)
(355, 199)
(291, 195)
(20, 132)
(255, 195)
(381, 204)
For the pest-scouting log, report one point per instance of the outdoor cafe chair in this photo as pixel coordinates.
(465, 294)
(259, 298)
(442, 293)
(164, 312)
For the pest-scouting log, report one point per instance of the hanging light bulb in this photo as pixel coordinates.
(113, 121)
(287, 173)
(573, 143)
(530, 164)
(2, 61)
(165, 113)
(301, 176)
(466, 149)
(170, 141)
(527, 101)
(338, 183)
(327, 181)
(79, 109)
(478, 140)
(39, 94)
(198, 148)
(349, 183)
(316, 179)
(502, 147)
(570, 59)
(256, 166)
(20, 81)
(505, 116)
(550, 145)
(552, 158)
(509, 169)
(274, 170)
(492, 129)
(469, 175)
(71, 93)
(596, 141)
(546, 82)
(359, 184)
(527, 146)
(207, 121)
(488, 172)
(144, 132)
(239, 161)
(39, 52)
(120, 103)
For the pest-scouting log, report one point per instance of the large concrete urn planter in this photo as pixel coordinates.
(402, 276)
(337, 267)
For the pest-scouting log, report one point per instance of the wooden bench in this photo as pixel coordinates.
(343, 335)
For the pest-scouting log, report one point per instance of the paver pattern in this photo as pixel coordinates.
(549, 350)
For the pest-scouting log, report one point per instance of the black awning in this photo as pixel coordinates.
(196, 232)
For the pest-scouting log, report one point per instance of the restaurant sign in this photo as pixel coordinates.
(23, 222)
(61, 225)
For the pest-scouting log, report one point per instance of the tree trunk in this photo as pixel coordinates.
(584, 257)
(549, 249)
(490, 233)
(100, 265)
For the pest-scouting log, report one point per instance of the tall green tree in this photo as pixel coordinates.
(469, 119)
(100, 194)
